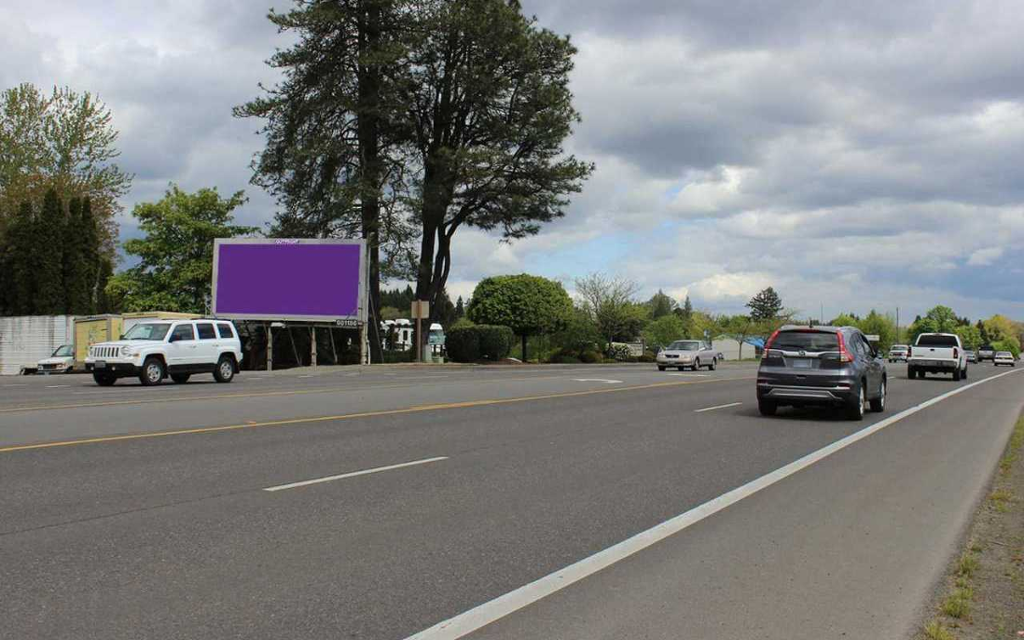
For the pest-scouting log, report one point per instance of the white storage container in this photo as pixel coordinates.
(25, 340)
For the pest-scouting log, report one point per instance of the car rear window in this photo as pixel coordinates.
(937, 341)
(225, 330)
(806, 341)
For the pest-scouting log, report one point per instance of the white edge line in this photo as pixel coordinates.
(365, 472)
(721, 406)
(488, 612)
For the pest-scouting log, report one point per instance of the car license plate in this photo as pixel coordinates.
(100, 364)
(802, 363)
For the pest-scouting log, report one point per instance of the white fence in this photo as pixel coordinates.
(25, 340)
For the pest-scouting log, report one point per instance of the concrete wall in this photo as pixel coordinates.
(25, 340)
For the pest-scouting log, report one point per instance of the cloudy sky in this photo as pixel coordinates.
(853, 155)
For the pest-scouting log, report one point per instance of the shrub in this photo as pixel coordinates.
(564, 359)
(463, 344)
(590, 357)
(647, 357)
(495, 341)
(620, 353)
(470, 343)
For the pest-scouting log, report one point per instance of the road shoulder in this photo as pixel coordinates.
(982, 595)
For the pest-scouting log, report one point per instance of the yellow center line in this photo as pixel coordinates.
(365, 414)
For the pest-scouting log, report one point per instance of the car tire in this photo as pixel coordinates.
(681, 368)
(180, 378)
(767, 407)
(856, 410)
(963, 376)
(911, 372)
(104, 380)
(152, 372)
(225, 371)
(696, 365)
(956, 375)
(714, 364)
(878, 404)
(661, 368)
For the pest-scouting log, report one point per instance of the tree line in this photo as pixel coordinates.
(52, 259)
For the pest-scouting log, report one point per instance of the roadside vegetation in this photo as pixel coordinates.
(983, 596)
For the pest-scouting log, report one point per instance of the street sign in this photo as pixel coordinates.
(420, 309)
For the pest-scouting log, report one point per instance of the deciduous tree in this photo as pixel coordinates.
(529, 305)
(175, 266)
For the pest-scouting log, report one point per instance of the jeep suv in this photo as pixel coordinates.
(153, 351)
(824, 366)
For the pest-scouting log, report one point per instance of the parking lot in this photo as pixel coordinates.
(377, 502)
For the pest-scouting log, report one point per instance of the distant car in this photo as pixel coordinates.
(687, 354)
(972, 355)
(62, 361)
(823, 366)
(937, 353)
(178, 348)
(898, 353)
(1004, 357)
(986, 352)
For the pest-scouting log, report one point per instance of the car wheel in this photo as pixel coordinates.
(180, 378)
(856, 410)
(956, 375)
(225, 370)
(682, 368)
(714, 364)
(152, 372)
(911, 372)
(964, 374)
(767, 407)
(104, 380)
(661, 368)
(696, 365)
(878, 404)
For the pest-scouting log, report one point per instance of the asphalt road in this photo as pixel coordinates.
(186, 512)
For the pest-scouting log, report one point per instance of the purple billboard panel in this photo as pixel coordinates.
(289, 279)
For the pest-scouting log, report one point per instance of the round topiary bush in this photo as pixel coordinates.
(463, 344)
(495, 341)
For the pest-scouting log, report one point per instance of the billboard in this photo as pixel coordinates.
(285, 279)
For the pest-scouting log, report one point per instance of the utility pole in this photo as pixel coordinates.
(898, 326)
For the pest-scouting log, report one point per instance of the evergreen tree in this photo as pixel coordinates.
(75, 286)
(766, 305)
(981, 329)
(460, 309)
(47, 260)
(18, 274)
(104, 302)
(91, 258)
(661, 305)
(687, 309)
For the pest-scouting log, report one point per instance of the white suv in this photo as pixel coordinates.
(175, 348)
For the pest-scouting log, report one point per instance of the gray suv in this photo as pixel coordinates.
(821, 366)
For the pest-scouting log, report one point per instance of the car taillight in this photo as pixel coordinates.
(956, 353)
(844, 355)
(910, 350)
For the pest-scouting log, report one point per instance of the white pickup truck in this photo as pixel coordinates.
(937, 353)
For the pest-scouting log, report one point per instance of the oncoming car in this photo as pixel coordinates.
(821, 366)
(153, 351)
(684, 354)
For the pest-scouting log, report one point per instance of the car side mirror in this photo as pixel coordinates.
(121, 337)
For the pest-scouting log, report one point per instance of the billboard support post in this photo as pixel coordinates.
(270, 347)
(312, 348)
(362, 345)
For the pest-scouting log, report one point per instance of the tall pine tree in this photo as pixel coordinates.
(91, 258)
(47, 260)
(18, 270)
(75, 286)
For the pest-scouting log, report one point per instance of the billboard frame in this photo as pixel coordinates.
(361, 310)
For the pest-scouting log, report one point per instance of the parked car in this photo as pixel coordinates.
(687, 354)
(986, 352)
(1004, 357)
(898, 353)
(823, 366)
(937, 353)
(178, 349)
(62, 361)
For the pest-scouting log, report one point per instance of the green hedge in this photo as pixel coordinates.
(479, 342)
